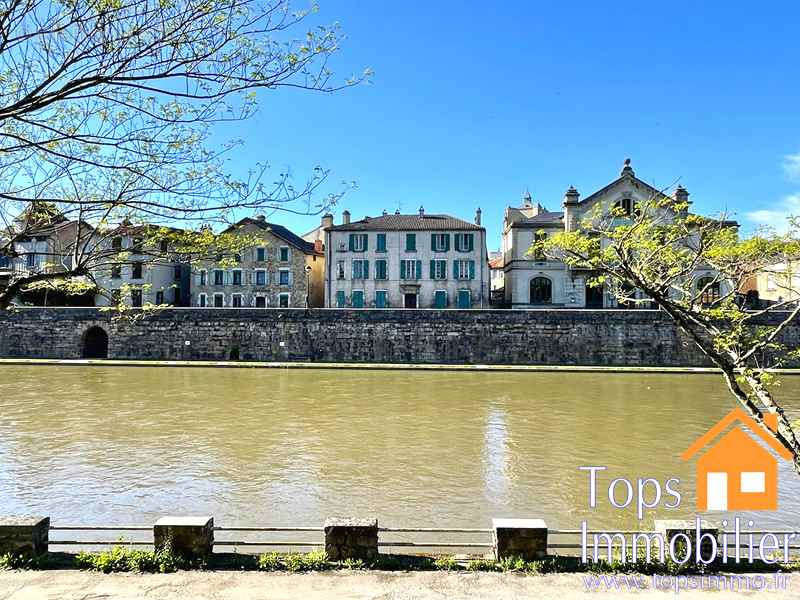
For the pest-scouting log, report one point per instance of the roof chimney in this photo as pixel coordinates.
(397, 212)
(570, 212)
(327, 220)
(319, 246)
(421, 211)
(478, 216)
(384, 212)
(346, 217)
(261, 218)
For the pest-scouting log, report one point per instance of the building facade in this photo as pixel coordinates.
(533, 281)
(282, 271)
(406, 261)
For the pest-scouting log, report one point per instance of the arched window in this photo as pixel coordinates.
(709, 290)
(541, 290)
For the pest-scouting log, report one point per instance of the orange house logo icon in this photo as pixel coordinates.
(737, 473)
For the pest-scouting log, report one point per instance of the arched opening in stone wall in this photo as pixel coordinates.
(234, 353)
(95, 343)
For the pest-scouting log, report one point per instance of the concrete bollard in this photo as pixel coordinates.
(525, 538)
(24, 535)
(189, 537)
(669, 528)
(351, 538)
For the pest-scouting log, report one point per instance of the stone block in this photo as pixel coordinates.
(526, 538)
(669, 528)
(351, 538)
(189, 537)
(24, 535)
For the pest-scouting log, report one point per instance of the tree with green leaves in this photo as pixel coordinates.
(107, 109)
(695, 269)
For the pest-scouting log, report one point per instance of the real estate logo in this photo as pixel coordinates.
(737, 472)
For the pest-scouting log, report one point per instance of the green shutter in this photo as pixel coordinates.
(433, 269)
(472, 269)
(447, 242)
(352, 242)
(381, 242)
(402, 269)
(433, 242)
(366, 269)
(419, 269)
(455, 269)
(471, 242)
(365, 245)
(340, 299)
(457, 244)
(411, 242)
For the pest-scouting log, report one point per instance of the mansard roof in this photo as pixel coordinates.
(416, 222)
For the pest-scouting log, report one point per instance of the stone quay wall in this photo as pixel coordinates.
(510, 337)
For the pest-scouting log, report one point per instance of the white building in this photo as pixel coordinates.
(535, 281)
(406, 261)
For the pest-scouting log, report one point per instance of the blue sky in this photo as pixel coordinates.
(471, 103)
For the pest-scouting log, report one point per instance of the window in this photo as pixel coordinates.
(261, 277)
(340, 299)
(380, 269)
(284, 277)
(159, 297)
(261, 302)
(5, 262)
(753, 482)
(340, 270)
(410, 269)
(261, 254)
(464, 269)
(219, 277)
(116, 272)
(30, 260)
(284, 253)
(357, 300)
(440, 299)
(440, 242)
(237, 257)
(380, 299)
(164, 246)
(116, 244)
(464, 242)
(464, 299)
(538, 253)
(438, 269)
(283, 300)
(237, 277)
(236, 300)
(709, 290)
(625, 205)
(381, 243)
(136, 298)
(137, 246)
(411, 242)
(116, 296)
(137, 270)
(202, 300)
(176, 296)
(219, 300)
(541, 290)
(360, 269)
(177, 273)
(358, 242)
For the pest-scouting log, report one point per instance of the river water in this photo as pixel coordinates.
(112, 445)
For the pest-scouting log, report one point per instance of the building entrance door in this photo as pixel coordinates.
(410, 300)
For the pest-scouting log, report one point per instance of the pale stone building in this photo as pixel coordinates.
(406, 261)
(285, 271)
(777, 283)
(535, 281)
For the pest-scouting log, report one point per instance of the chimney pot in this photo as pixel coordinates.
(346, 217)
(327, 220)
(421, 211)
(261, 218)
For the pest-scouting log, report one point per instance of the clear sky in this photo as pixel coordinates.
(472, 102)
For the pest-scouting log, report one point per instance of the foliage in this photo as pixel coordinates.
(697, 270)
(446, 563)
(111, 112)
(23, 561)
(123, 559)
(294, 562)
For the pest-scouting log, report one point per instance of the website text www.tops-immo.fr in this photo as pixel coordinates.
(698, 544)
(678, 583)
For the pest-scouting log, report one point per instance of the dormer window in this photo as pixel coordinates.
(626, 205)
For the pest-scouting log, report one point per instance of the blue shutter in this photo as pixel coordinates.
(381, 244)
(433, 269)
(458, 242)
(366, 269)
(402, 269)
(446, 242)
(419, 269)
(472, 269)
(455, 269)
(433, 243)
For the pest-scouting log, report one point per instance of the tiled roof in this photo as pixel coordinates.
(544, 218)
(283, 233)
(407, 223)
(496, 263)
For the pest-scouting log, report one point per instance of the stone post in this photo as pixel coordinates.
(189, 537)
(351, 538)
(525, 538)
(708, 537)
(24, 535)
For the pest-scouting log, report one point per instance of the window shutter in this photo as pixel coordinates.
(447, 242)
(419, 269)
(402, 269)
(433, 269)
(366, 241)
(289, 254)
(291, 278)
(470, 241)
(366, 269)
(455, 268)
(472, 269)
(352, 242)
(458, 242)
(433, 242)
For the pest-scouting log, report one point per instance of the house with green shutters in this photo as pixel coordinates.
(406, 261)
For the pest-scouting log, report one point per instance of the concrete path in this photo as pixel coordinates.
(343, 585)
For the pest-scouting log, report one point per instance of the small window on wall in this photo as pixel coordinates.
(261, 277)
(219, 277)
(261, 254)
(283, 300)
(136, 298)
(709, 290)
(284, 254)
(159, 297)
(203, 276)
(341, 301)
(261, 302)
(136, 270)
(237, 278)
(202, 300)
(236, 301)
(219, 300)
(625, 205)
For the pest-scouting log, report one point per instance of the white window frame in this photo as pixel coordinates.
(463, 269)
(341, 269)
(413, 263)
(460, 243)
(359, 242)
(288, 276)
(360, 262)
(288, 254)
(265, 254)
(215, 299)
(202, 300)
(203, 275)
(288, 297)
(439, 243)
(439, 263)
(241, 277)
(215, 276)
(241, 300)
(753, 482)
(264, 296)
(266, 277)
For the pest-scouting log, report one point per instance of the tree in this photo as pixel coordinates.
(695, 269)
(107, 108)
